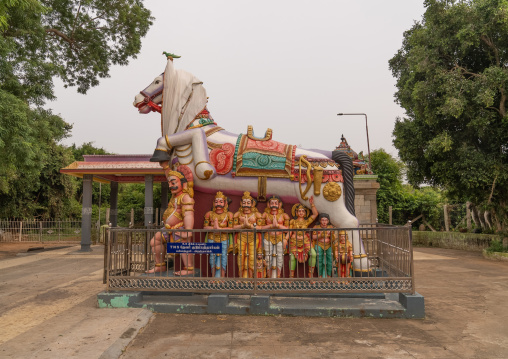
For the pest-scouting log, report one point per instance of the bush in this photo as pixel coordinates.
(497, 246)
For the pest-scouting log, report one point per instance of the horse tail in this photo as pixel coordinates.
(346, 165)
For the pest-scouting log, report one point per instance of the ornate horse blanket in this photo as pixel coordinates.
(263, 158)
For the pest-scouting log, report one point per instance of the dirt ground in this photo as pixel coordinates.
(465, 305)
(11, 249)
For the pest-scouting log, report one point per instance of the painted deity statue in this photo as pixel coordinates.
(275, 218)
(300, 248)
(246, 217)
(179, 215)
(325, 241)
(343, 255)
(219, 218)
(223, 160)
(260, 266)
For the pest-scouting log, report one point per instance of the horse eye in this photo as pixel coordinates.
(157, 82)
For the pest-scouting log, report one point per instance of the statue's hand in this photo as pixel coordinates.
(216, 224)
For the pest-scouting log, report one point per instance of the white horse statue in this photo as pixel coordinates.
(233, 163)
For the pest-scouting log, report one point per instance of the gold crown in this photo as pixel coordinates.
(246, 195)
(175, 173)
(221, 195)
(296, 207)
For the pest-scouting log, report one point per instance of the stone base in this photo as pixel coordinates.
(389, 305)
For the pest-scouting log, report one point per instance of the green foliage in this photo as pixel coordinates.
(452, 80)
(99, 192)
(132, 196)
(497, 246)
(389, 172)
(86, 148)
(30, 183)
(77, 41)
(407, 202)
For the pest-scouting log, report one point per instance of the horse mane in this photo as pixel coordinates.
(183, 98)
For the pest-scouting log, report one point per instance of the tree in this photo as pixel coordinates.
(77, 41)
(407, 202)
(452, 81)
(98, 191)
(30, 182)
(389, 176)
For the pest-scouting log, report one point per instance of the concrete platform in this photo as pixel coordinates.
(390, 305)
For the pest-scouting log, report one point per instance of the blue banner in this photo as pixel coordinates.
(195, 248)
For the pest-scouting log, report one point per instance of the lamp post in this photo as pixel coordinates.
(366, 129)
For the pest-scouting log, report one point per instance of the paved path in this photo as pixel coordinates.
(467, 317)
(48, 310)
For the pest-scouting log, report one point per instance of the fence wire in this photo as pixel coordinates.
(40, 231)
(383, 262)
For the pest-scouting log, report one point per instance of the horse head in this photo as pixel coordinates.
(150, 98)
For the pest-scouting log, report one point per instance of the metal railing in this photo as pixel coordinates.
(382, 263)
(40, 231)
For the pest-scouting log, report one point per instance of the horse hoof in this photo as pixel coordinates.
(205, 172)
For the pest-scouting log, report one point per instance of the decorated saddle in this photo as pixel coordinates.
(262, 157)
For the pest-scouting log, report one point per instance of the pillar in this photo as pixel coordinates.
(113, 203)
(86, 214)
(148, 200)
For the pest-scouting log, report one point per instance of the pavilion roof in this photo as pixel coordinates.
(118, 168)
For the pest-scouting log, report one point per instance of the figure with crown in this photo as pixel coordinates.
(246, 218)
(325, 239)
(274, 218)
(300, 248)
(343, 255)
(219, 218)
(220, 160)
(179, 215)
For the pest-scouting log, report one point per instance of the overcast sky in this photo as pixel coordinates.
(286, 65)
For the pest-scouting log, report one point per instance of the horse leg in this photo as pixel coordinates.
(203, 169)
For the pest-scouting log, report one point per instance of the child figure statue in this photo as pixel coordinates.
(219, 218)
(325, 240)
(299, 243)
(343, 255)
(260, 266)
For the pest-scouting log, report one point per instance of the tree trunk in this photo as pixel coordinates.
(468, 216)
(427, 224)
(495, 219)
(446, 218)
(486, 215)
(476, 218)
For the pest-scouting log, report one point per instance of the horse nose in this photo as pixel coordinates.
(137, 100)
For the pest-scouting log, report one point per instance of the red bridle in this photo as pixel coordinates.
(148, 101)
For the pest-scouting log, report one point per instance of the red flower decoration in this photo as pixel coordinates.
(222, 158)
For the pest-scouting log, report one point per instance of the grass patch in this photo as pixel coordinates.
(497, 246)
